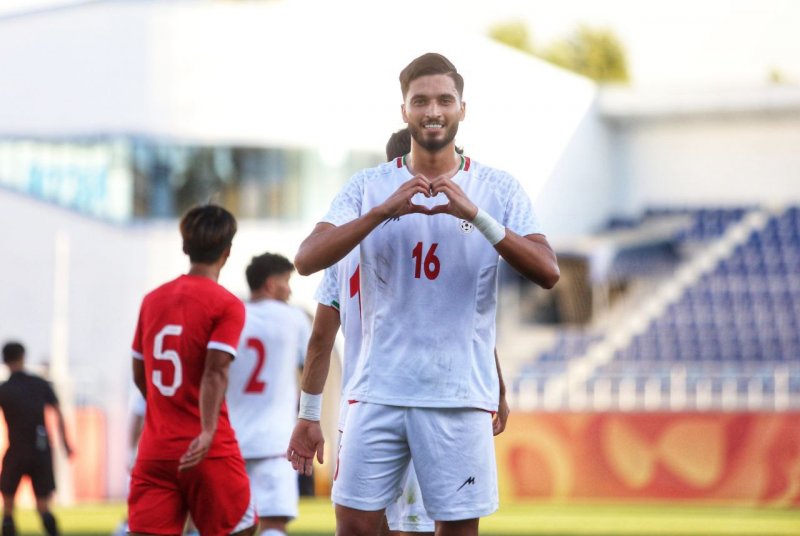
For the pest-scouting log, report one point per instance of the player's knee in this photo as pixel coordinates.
(464, 527)
(351, 522)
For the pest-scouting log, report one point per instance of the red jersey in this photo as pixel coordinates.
(178, 323)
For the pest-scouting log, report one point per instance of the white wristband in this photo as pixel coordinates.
(310, 406)
(489, 227)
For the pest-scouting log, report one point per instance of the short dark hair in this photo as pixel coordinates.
(428, 64)
(13, 351)
(399, 144)
(265, 266)
(207, 231)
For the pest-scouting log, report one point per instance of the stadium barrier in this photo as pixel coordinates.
(748, 458)
(86, 430)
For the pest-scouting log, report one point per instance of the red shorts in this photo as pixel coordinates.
(216, 493)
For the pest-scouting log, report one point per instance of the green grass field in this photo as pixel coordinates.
(316, 519)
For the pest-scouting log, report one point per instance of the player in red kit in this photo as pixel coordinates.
(187, 334)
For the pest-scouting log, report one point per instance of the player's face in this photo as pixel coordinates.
(280, 286)
(432, 110)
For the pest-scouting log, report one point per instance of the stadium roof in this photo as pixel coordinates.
(251, 73)
(623, 104)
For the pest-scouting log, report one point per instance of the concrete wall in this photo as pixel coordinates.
(272, 77)
(731, 159)
(579, 194)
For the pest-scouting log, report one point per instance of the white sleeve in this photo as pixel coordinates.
(519, 215)
(328, 290)
(346, 206)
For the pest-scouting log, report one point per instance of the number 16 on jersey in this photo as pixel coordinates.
(429, 264)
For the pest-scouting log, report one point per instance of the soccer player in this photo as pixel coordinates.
(187, 334)
(430, 227)
(23, 399)
(262, 392)
(338, 304)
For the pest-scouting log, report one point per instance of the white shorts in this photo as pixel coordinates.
(407, 513)
(273, 486)
(452, 449)
(344, 405)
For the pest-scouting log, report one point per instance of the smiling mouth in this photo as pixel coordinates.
(433, 126)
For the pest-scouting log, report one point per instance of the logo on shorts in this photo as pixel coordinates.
(470, 481)
(466, 227)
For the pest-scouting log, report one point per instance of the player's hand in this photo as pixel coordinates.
(306, 441)
(458, 204)
(501, 417)
(399, 203)
(197, 450)
(68, 450)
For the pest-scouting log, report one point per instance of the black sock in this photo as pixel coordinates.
(8, 526)
(49, 523)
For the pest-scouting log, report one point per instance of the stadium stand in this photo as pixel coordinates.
(725, 337)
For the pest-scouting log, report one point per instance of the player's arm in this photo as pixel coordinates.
(52, 401)
(328, 244)
(212, 392)
(320, 347)
(139, 378)
(307, 439)
(530, 255)
(501, 417)
(62, 430)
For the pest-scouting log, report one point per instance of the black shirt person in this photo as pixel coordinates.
(23, 399)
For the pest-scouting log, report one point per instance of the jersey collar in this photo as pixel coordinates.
(465, 162)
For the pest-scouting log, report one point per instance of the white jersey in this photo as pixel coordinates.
(429, 290)
(262, 382)
(340, 289)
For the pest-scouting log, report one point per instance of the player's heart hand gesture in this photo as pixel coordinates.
(306, 440)
(399, 203)
(458, 204)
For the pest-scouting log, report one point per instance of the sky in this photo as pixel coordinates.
(670, 43)
(684, 42)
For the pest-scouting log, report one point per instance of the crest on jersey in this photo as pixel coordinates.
(466, 227)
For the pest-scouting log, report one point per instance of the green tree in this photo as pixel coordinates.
(594, 53)
(514, 34)
(777, 77)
